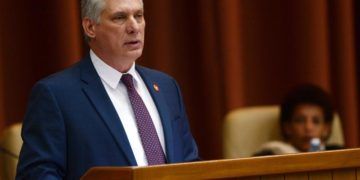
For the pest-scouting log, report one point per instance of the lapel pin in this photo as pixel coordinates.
(156, 87)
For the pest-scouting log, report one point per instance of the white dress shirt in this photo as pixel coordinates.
(119, 98)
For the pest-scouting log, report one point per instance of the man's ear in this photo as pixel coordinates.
(89, 27)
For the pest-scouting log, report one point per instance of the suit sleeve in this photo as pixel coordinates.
(43, 154)
(190, 148)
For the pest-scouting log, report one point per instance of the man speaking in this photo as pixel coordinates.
(105, 110)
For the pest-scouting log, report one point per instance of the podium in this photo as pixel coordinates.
(339, 164)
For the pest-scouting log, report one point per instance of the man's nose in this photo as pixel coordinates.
(132, 26)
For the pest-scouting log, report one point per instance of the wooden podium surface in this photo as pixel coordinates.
(340, 164)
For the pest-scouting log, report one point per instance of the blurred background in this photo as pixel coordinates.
(225, 54)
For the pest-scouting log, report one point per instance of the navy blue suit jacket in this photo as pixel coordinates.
(71, 125)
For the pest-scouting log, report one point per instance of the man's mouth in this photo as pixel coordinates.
(132, 42)
(135, 44)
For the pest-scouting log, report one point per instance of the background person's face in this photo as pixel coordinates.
(308, 121)
(120, 32)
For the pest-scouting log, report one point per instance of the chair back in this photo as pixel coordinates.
(10, 145)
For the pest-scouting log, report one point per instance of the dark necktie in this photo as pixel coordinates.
(149, 138)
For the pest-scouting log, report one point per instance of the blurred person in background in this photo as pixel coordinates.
(306, 118)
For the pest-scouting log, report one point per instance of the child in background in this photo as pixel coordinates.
(305, 119)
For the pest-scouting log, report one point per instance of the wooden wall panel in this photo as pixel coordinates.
(343, 164)
(250, 178)
(320, 175)
(342, 174)
(273, 177)
(297, 176)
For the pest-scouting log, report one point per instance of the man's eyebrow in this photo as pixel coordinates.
(117, 13)
(125, 12)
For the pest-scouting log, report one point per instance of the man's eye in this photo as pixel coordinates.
(119, 17)
(139, 16)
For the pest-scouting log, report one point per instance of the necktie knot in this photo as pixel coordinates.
(127, 79)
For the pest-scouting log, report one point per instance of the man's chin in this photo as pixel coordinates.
(135, 54)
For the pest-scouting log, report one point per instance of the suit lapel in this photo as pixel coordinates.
(96, 92)
(162, 108)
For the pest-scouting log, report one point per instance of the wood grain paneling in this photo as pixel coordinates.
(346, 161)
(243, 178)
(342, 174)
(273, 177)
(250, 178)
(297, 176)
(320, 175)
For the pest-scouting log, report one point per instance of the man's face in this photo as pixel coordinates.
(308, 121)
(120, 32)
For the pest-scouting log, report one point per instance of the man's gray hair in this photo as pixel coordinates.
(92, 9)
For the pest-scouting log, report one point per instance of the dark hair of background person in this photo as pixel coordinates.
(306, 94)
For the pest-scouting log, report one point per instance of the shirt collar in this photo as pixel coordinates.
(110, 75)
